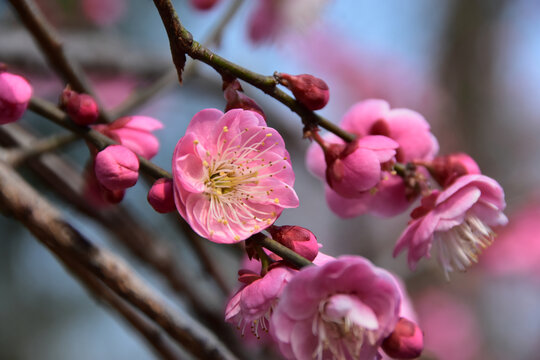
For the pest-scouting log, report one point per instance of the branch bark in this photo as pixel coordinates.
(21, 201)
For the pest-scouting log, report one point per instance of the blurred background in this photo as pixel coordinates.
(470, 67)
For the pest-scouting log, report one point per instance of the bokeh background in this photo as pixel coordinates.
(470, 67)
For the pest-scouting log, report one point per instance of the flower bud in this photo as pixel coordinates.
(312, 92)
(161, 197)
(300, 240)
(237, 99)
(15, 93)
(405, 342)
(81, 108)
(116, 167)
(203, 4)
(446, 169)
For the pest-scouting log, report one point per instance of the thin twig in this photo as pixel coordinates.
(182, 43)
(51, 112)
(19, 155)
(51, 46)
(21, 201)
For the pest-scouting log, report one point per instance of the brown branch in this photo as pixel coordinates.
(22, 202)
(67, 182)
(182, 43)
(51, 46)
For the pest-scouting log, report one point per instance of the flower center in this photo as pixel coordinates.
(459, 247)
(342, 325)
(233, 175)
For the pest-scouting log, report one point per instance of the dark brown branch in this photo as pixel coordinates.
(19, 200)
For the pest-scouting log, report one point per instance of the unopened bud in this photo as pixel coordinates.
(203, 4)
(300, 240)
(81, 108)
(446, 169)
(309, 90)
(405, 342)
(116, 167)
(161, 196)
(237, 99)
(15, 93)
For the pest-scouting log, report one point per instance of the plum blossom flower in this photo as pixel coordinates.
(232, 175)
(456, 222)
(373, 119)
(340, 310)
(116, 167)
(135, 133)
(15, 93)
(254, 302)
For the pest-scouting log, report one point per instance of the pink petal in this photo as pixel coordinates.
(361, 116)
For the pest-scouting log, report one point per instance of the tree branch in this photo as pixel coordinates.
(182, 43)
(22, 202)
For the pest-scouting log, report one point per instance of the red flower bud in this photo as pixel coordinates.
(405, 342)
(81, 108)
(15, 93)
(161, 196)
(446, 169)
(236, 99)
(312, 92)
(203, 4)
(300, 240)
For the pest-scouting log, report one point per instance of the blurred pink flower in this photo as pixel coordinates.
(456, 221)
(232, 175)
(203, 4)
(135, 133)
(451, 331)
(15, 93)
(271, 18)
(517, 249)
(103, 12)
(341, 310)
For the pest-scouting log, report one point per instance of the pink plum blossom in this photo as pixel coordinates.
(341, 310)
(15, 93)
(135, 133)
(446, 169)
(81, 108)
(103, 12)
(254, 302)
(116, 167)
(309, 90)
(371, 121)
(232, 175)
(456, 222)
(203, 4)
(161, 196)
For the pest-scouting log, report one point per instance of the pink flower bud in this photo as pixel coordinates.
(236, 99)
(81, 108)
(203, 4)
(117, 167)
(15, 93)
(312, 92)
(161, 196)
(446, 169)
(300, 240)
(405, 342)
